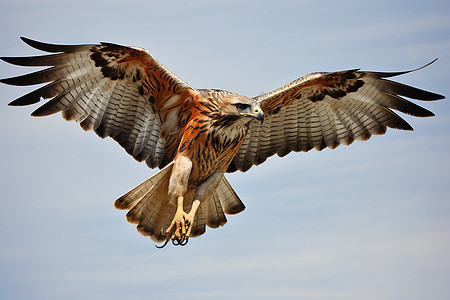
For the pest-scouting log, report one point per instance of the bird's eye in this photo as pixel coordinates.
(241, 106)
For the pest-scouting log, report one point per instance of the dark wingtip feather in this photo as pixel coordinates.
(432, 96)
(405, 90)
(30, 98)
(12, 80)
(12, 60)
(407, 127)
(41, 46)
(20, 61)
(401, 124)
(53, 48)
(35, 61)
(38, 77)
(392, 74)
(423, 113)
(410, 91)
(9, 60)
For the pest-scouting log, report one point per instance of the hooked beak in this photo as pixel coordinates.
(258, 114)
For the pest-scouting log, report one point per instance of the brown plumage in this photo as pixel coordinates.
(195, 136)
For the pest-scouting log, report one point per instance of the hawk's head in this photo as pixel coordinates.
(241, 109)
(227, 109)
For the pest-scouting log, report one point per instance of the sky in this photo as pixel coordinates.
(368, 221)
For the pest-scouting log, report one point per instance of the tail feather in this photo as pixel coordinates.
(214, 212)
(149, 205)
(155, 224)
(150, 209)
(130, 199)
(223, 201)
(230, 201)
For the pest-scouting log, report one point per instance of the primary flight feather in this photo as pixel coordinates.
(195, 136)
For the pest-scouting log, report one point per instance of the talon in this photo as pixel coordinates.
(163, 245)
(181, 225)
(161, 233)
(184, 242)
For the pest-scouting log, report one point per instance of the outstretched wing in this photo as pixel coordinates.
(117, 91)
(328, 109)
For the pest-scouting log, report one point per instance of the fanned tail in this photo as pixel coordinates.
(149, 206)
(223, 200)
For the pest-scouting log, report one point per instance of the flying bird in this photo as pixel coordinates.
(194, 135)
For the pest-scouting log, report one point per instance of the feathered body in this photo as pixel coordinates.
(195, 136)
(212, 137)
(210, 140)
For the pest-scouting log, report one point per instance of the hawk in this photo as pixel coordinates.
(195, 136)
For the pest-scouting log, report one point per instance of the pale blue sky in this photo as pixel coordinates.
(369, 221)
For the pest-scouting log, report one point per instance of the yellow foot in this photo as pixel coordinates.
(181, 226)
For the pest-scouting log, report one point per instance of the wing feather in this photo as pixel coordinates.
(117, 91)
(323, 110)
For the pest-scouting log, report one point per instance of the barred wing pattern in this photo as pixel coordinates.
(123, 93)
(117, 91)
(328, 109)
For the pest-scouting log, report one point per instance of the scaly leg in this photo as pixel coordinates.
(181, 226)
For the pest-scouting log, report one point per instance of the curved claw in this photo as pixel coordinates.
(180, 228)
(163, 245)
(162, 233)
(184, 241)
(179, 241)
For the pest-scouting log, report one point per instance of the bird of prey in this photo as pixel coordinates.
(194, 135)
